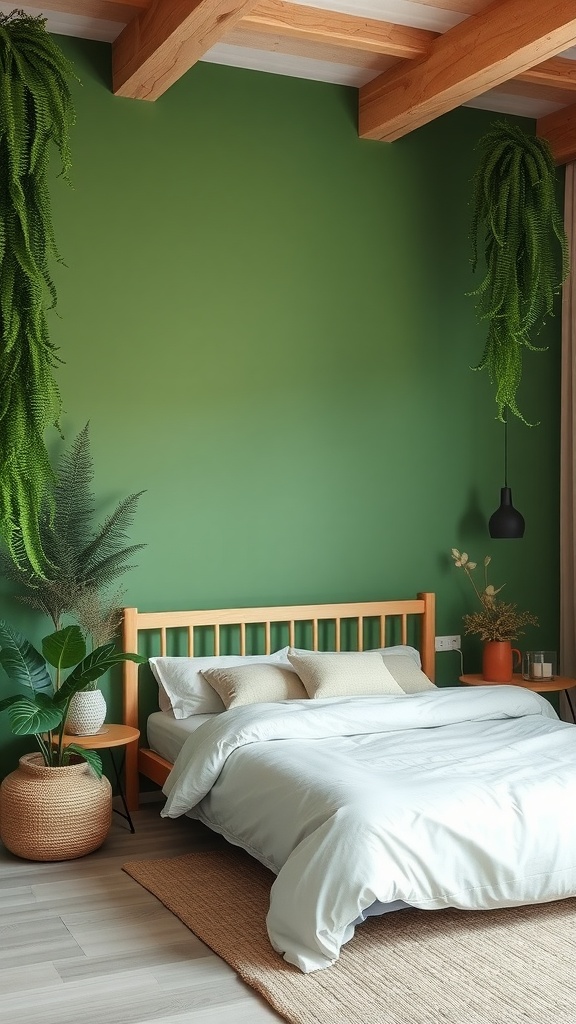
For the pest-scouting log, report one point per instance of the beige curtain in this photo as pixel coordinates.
(567, 660)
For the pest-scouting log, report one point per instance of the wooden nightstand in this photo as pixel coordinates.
(108, 737)
(546, 686)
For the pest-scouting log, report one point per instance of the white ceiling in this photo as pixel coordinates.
(268, 36)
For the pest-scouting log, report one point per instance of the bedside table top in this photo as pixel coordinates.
(108, 736)
(545, 686)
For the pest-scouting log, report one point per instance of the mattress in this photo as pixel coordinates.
(167, 735)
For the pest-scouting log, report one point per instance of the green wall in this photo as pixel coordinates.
(265, 320)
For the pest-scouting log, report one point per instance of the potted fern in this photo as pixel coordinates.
(81, 562)
(517, 229)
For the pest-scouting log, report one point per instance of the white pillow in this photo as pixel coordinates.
(354, 674)
(182, 688)
(255, 684)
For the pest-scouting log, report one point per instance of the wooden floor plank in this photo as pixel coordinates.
(83, 941)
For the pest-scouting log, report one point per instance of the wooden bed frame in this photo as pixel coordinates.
(136, 624)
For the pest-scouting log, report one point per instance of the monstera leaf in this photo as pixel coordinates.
(28, 717)
(22, 662)
(65, 648)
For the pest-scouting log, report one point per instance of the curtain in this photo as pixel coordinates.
(567, 660)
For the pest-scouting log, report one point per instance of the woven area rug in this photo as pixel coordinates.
(513, 966)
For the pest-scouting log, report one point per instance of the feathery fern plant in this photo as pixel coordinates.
(524, 245)
(36, 113)
(82, 561)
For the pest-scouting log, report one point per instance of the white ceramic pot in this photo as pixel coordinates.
(86, 713)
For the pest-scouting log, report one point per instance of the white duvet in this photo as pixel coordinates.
(448, 798)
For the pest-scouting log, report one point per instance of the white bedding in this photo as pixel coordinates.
(167, 735)
(451, 797)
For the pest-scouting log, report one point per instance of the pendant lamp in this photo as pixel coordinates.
(506, 523)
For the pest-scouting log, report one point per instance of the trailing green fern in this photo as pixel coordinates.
(82, 561)
(36, 112)
(525, 250)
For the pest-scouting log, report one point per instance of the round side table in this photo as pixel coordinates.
(546, 686)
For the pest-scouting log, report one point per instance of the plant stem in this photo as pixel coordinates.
(476, 591)
(45, 749)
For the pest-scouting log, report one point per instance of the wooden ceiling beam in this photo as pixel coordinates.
(559, 130)
(165, 40)
(556, 73)
(507, 38)
(104, 10)
(350, 32)
(334, 29)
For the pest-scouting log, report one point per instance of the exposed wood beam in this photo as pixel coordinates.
(352, 33)
(106, 10)
(557, 73)
(366, 63)
(334, 29)
(559, 129)
(505, 39)
(164, 41)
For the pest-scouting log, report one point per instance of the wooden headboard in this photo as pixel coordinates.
(413, 622)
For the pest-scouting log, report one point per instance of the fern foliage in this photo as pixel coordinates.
(82, 561)
(518, 230)
(36, 114)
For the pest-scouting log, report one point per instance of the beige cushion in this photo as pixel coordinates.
(254, 684)
(343, 675)
(409, 677)
(182, 688)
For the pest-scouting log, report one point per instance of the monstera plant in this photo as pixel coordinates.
(48, 682)
(518, 231)
(36, 114)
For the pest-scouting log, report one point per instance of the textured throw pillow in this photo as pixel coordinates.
(409, 677)
(255, 684)
(343, 675)
(401, 660)
(182, 688)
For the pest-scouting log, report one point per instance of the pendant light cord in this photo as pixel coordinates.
(505, 448)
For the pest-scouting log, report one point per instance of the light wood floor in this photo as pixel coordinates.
(81, 941)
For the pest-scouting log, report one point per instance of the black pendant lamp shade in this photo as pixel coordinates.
(506, 523)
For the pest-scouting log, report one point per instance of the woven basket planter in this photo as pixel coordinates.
(54, 813)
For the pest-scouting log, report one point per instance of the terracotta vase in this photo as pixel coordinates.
(54, 813)
(498, 661)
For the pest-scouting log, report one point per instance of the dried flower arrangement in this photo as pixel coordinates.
(498, 619)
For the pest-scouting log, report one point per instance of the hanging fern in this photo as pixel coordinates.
(515, 212)
(36, 112)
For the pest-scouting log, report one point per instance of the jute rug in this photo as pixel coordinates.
(513, 966)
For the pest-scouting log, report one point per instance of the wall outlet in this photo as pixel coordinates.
(447, 643)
